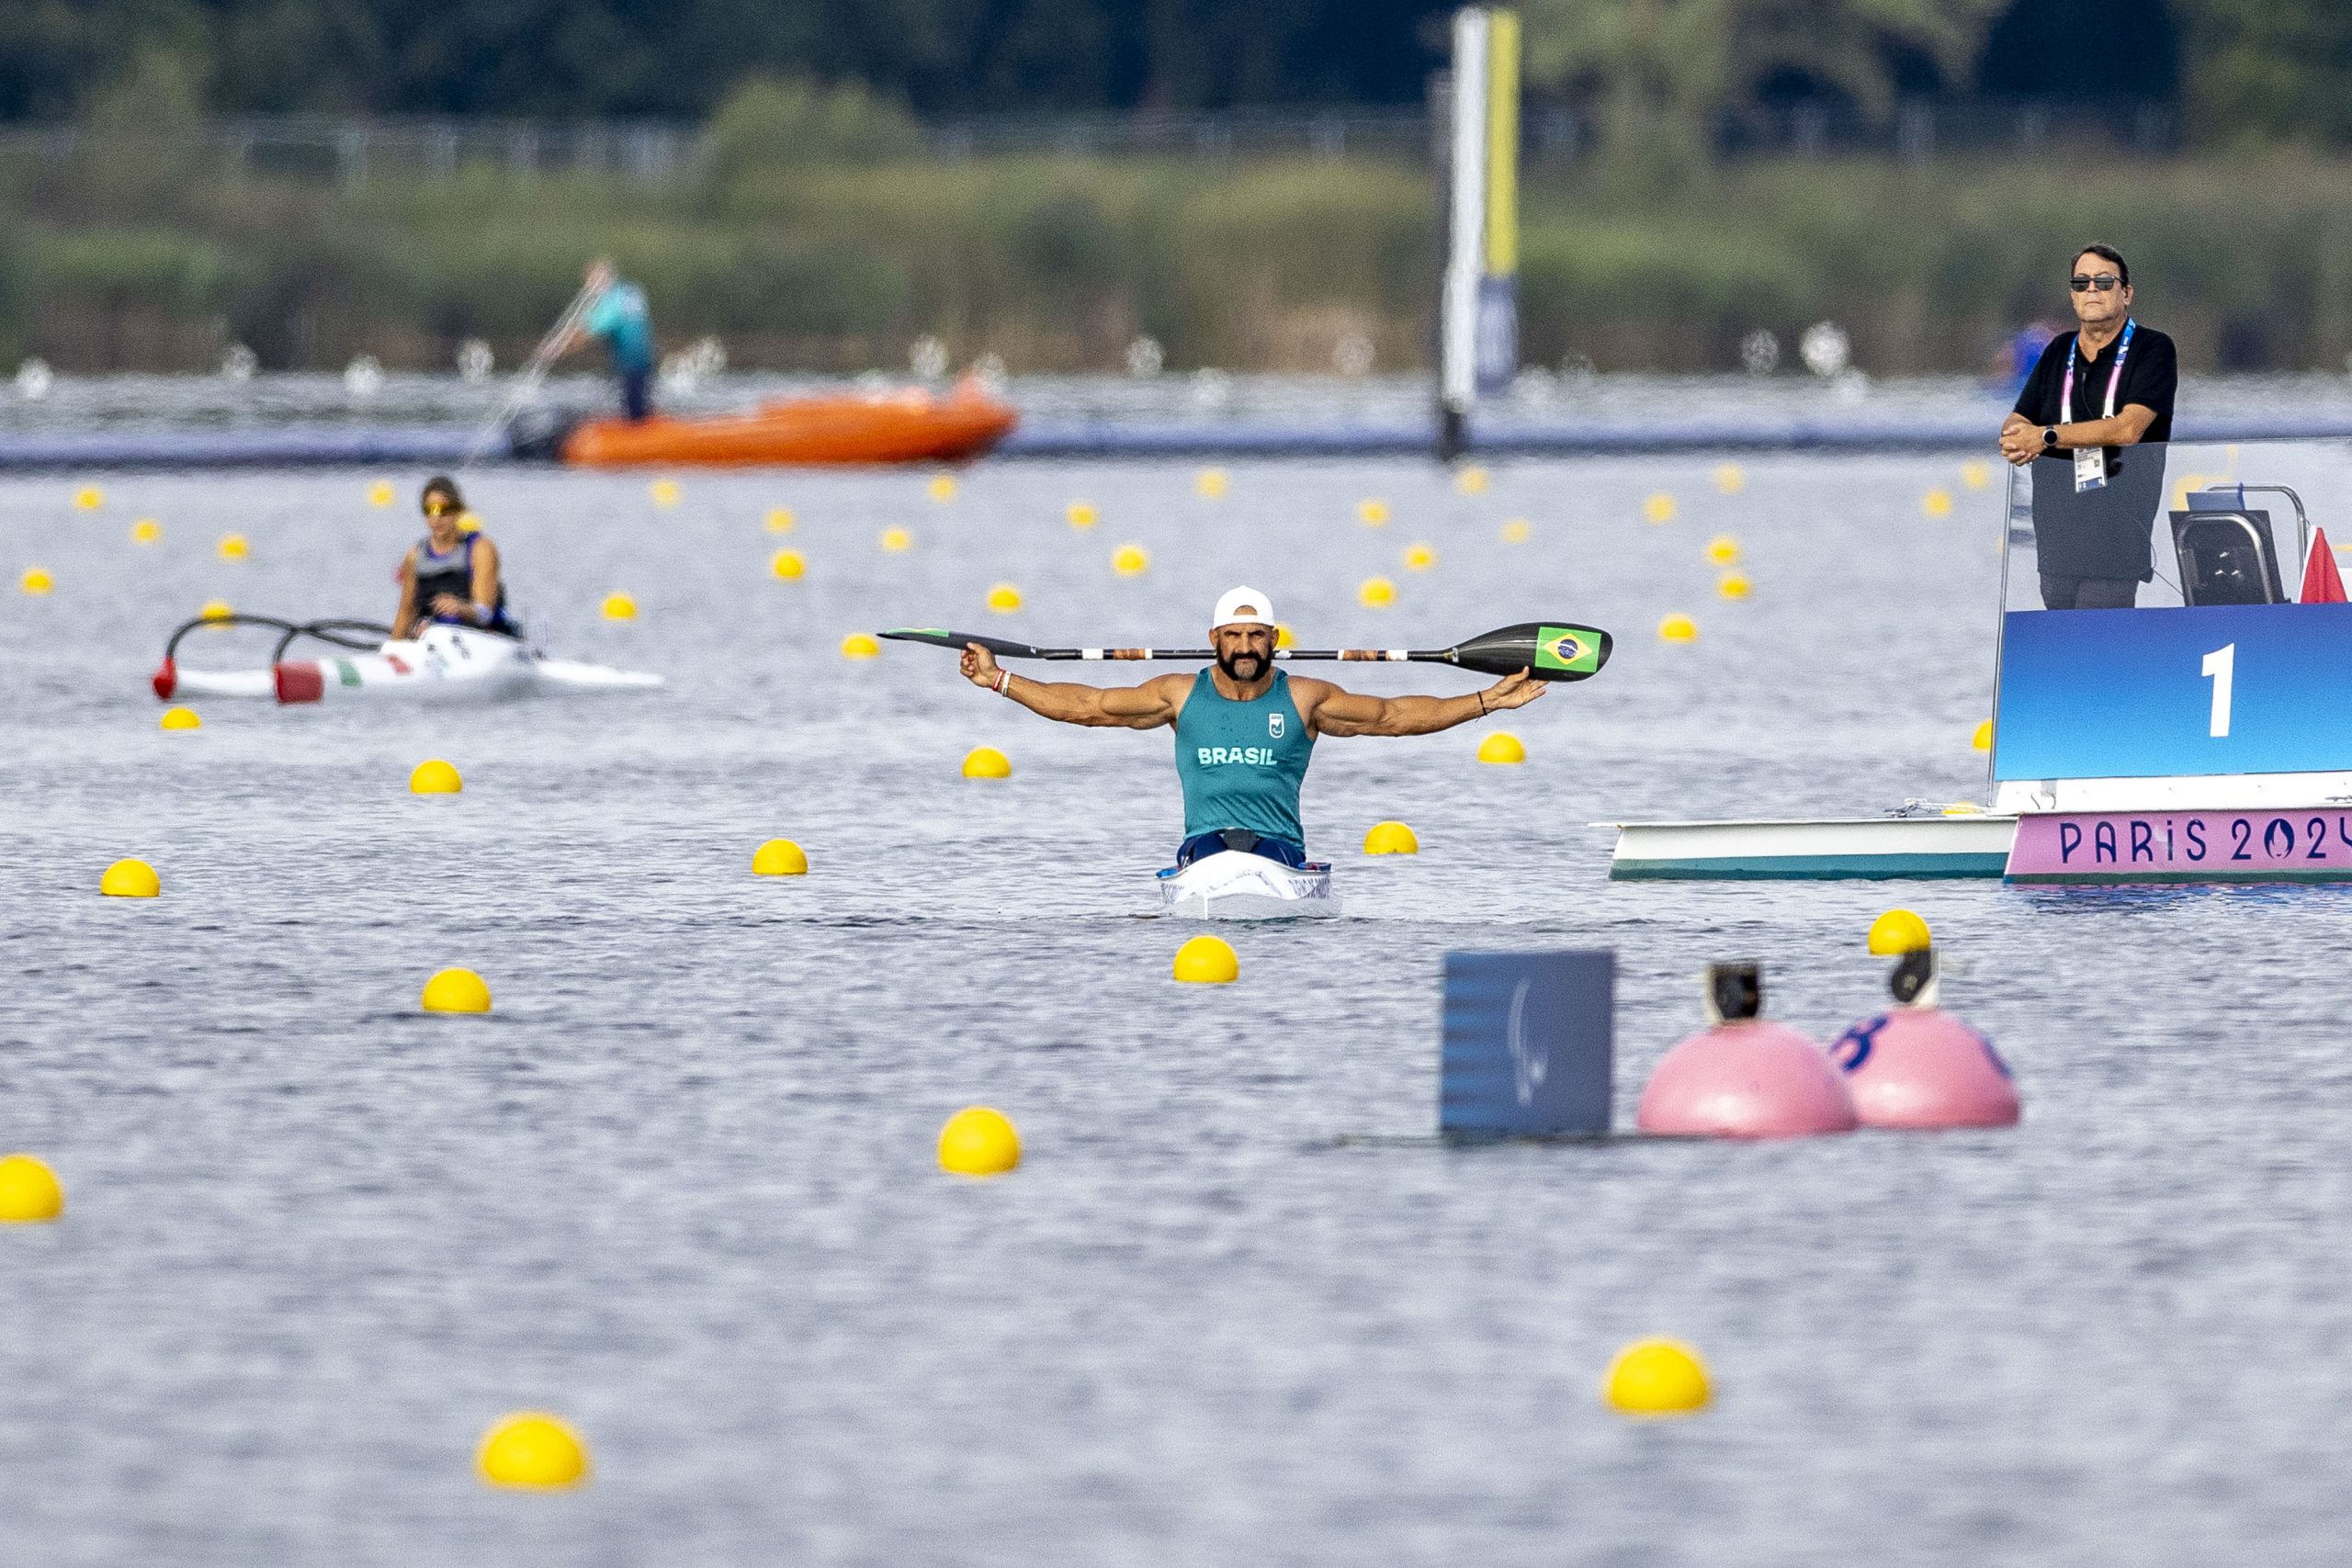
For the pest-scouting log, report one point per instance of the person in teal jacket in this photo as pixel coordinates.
(619, 315)
(1245, 730)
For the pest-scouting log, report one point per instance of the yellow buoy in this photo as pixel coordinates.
(1975, 474)
(380, 493)
(987, 763)
(29, 1194)
(1082, 514)
(1733, 585)
(146, 531)
(788, 565)
(1470, 480)
(1376, 591)
(181, 718)
(1130, 560)
(1723, 550)
(1898, 931)
(89, 498)
(434, 776)
(1677, 628)
(1207, 961)
(780, 520)
(1655, 1377)
(1983, 741)
(1391, 838)
(232, 547)
(1502, 746)
(898, 541)
(1729, 479)
(215, 610)
(1371, 513)
(620, 607)
(468, 522)
(779, 857)
(1211, 483)
(457, 990)
(1420, 558)
(663, 491)
(37, 580)
(533, 1449)
(1284, 636)
(1004, 598)
(1659, 507)
(129, 879)
(942, 488)
(1936, 503)
(861, 645)
(1516, 531)
(977, 1140)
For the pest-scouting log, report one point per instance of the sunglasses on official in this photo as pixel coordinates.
(2103, 282)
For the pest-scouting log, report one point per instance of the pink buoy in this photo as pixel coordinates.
(1749, 1078)
(1919, 1067)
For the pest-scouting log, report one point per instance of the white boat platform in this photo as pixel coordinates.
(1860, 848)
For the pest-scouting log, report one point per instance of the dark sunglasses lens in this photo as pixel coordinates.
(2080, 285)
(2103, 283)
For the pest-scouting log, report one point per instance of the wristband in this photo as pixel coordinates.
(1482, 702)
(1002, 683)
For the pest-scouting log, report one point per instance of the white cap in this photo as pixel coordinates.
(1243, 606)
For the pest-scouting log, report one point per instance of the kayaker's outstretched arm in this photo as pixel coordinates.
(1329, 710)
(1147, 706)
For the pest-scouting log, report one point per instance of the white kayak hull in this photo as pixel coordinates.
(446, 664)
(1232, 884)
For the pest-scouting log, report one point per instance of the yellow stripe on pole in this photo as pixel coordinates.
(1502, 144)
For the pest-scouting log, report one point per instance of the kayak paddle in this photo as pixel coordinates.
(1549, 651)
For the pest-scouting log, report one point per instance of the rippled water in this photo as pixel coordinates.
(1234, 1308)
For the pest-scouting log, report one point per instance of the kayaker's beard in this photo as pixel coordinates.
(1244, 665)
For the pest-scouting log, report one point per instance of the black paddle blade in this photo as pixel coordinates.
(1551, 651)
(957, 640)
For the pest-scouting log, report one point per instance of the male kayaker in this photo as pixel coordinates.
(450, 577)
(619, 315)
(2105, 386)
(1244, 729)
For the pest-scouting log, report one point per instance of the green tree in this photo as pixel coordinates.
(768, 125)
(1663, 72)
(2271, 67)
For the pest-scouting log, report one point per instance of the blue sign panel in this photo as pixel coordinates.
(2152, 694)
(1530, 1043)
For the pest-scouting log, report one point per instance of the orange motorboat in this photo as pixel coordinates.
(902, 425)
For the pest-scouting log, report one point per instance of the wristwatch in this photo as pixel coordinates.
(2049, 437)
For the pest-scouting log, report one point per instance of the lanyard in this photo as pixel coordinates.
(2114, 382)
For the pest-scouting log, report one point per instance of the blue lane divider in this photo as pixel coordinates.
(353, 446)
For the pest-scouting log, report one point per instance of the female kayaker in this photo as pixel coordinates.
(450, 576)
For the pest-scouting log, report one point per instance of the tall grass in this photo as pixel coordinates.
(1058, 263)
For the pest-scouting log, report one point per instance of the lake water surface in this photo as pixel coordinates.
(1234, 1308)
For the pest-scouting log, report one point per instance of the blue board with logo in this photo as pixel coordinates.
(1530, 1043)
(2162, 693)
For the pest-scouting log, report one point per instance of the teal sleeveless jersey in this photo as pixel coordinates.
(1241, 764)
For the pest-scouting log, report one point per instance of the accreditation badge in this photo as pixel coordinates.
(2090, 469)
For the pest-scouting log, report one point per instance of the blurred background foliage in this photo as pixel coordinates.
(822, 226)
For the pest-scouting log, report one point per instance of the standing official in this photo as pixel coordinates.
(2103, 386)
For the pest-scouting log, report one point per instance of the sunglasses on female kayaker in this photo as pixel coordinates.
(435, 505)
(2103, 282)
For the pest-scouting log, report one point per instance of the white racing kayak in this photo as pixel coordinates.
(444, 664)
(1234, 885)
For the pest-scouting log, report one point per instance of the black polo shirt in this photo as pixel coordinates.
(2151, 376)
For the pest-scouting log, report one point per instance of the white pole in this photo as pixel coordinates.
(1466, 224)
